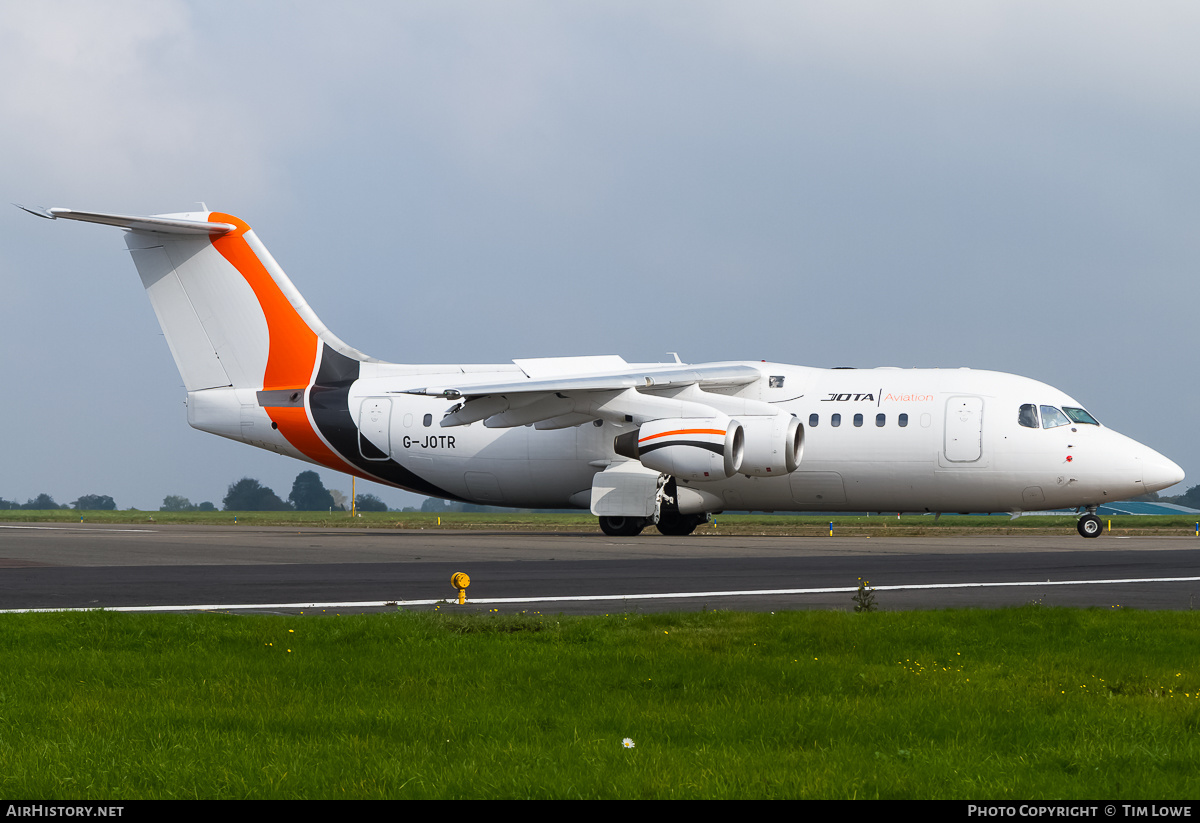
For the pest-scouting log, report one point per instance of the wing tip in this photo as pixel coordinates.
(48, 214)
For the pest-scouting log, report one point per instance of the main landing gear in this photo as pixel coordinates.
(672, 525)
(667, 517)
(622, 526)
(677, 525)
(1089, 525)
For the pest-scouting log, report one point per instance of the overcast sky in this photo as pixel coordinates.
(1008, 185)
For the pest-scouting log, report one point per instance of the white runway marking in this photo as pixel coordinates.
(76, 529)
(367, 604)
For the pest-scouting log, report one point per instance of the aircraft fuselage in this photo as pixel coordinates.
(918, 440)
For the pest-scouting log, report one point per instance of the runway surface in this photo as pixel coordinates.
(58, 566)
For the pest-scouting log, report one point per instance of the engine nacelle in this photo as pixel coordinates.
(772, 445)
(691, 448)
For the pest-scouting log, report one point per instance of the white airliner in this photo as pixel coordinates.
(637, 443)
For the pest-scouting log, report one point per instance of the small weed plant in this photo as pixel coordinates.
(864, 598)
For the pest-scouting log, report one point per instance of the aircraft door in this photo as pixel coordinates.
(964, 429)
(374, 428)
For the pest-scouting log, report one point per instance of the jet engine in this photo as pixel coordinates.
(773, 445)
(714, 448)
(692, 448)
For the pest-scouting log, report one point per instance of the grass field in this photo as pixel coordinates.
(1030, 703)
(752, 524)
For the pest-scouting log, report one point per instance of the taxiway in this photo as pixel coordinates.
(61, 566)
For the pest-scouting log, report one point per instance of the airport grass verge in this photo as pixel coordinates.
(1028, 703)
(766, 525)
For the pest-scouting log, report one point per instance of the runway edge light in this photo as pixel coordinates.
(460, 581)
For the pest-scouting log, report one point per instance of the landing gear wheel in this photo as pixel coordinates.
(679, 525)
(622, 526)
(1089, 526)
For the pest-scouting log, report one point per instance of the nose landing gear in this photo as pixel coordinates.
(1089, 525)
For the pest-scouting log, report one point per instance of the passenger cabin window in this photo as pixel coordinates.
(903, 420)
(428, 421)
(1027, 417)
(858, 420)
(835, 420)
(1080, 416)
(1052, 418)
(880, 419)
(812, 420)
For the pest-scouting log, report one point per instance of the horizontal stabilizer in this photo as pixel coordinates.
(162, 225)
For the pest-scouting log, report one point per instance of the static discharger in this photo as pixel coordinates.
(460, 581)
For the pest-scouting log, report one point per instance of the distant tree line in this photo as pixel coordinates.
(308, 495)
(249, 495)
(44, 502)
(1190, 498)
(435, 505)
(246, 495)
(175, 503)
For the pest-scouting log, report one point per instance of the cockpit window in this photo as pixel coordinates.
(1027, 416)
(1052, 417)
(1080, 416)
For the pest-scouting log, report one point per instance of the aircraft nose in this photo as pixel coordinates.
(1158, 472)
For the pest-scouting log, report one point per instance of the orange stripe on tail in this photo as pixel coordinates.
(293, 345)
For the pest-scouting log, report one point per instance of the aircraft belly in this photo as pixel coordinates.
(907, 487)
(814, 489)
(891, 487)
(492, 467)
(976, 491)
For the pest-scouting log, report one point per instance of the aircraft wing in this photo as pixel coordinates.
(705, 375)
(631, 394)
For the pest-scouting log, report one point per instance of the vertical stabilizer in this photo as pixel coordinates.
(258, 364)
(207, 310)
(229, 313)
